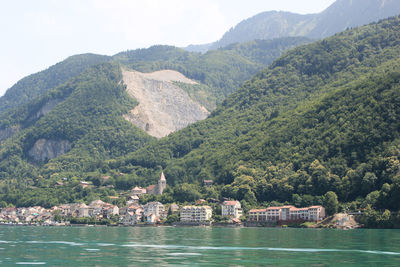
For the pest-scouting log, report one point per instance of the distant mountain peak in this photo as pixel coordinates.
(339, 16)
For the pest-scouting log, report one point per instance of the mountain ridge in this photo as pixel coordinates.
(323, 117)
(339, 16)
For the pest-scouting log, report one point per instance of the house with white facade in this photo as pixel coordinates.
(137, 191)
(232, 209)
(287, 213)
(196, 213)
(258, 215)
(154, 211)
(132, 216)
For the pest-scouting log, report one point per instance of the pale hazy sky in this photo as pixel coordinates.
(36, 34)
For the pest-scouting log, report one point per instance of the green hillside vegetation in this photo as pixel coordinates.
(36, 84)
(323, 117)
(220, 71)
(321, 122)
(90, 118)
(87, 112)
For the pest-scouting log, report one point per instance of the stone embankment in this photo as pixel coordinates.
(339, 221)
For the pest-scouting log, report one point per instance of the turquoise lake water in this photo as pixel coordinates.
(196, 246)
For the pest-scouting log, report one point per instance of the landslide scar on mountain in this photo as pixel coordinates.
(163, 106)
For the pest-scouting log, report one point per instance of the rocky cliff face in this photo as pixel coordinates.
(8, 132)
(163, 106)
(46, 108)
(44, 149)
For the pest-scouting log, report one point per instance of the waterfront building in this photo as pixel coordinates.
(232, 209)
(83, 210)
(132, 216)
(100, 209)
(316, 213)
(196, 213)
(258, 215)
(273, 214)
(155, 208)
(287, 213)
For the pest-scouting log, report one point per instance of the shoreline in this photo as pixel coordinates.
(183, 225)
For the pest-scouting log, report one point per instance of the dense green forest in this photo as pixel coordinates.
(86, 110)
(321, 122)
(323, 117)
(36, 84)
(90, 118)
(220, 71)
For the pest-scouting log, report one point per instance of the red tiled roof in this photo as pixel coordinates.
(298, 209)
(288, 207)
(150, 187)
(230, 203)
(258, 210)
(274, 208)
(315, 207)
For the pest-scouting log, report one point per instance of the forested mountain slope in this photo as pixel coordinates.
(87, 124)
(323, 117)
(36, 84)
(71, 129)
(220, 72)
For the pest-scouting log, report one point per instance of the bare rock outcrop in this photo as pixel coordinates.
(8, 132)
(163, 106)
(45, 109)
(44, 149)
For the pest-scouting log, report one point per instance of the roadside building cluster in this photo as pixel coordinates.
(155, 212)
(29, 215)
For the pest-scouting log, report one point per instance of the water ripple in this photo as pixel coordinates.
(56, 242)
(30, 263)
(305, 250)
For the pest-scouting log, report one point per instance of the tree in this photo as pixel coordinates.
(172, 218)
(331, 203)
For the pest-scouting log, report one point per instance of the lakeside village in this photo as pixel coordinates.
(155, 213)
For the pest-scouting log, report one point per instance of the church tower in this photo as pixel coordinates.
(162, 184)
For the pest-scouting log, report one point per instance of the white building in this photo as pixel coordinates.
(132, 216)
(287, 213)
(196, 213)
(232, 209)
(155, 208)
(138, 191)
